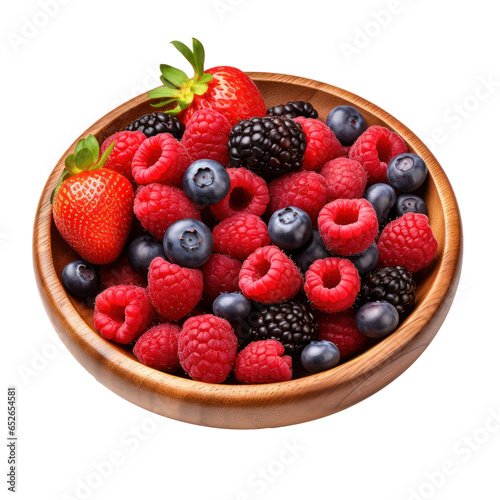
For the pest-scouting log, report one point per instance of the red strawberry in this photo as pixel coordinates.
(92, 209)
(226, 89)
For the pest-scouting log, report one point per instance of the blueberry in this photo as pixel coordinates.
(365, 262)
(382, 198)
(320, 356)
(80, 279)
(289, 228)
(406, 172)
(232, 306)
(141, 251)
(377, 319)
(206, 182)
(409, 203)
(188, 243)
(313, 250)
(347, 123)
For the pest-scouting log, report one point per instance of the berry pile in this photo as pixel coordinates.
(237, 243)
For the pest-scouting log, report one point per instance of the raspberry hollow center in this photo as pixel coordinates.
(344, 218)
(261, 269)
(154, 155)
(384, 150)
(239, 199)
(332, 278)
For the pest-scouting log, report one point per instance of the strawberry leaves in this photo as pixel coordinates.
(85, 157)
(177, 86)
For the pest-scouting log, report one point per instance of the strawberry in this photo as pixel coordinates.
(92, 206)
(226, 89)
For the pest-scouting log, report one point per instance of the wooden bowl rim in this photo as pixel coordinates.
(359, 368)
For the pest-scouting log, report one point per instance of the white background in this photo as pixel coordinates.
(424, 63)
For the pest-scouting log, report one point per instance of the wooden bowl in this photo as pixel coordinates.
(271, 405)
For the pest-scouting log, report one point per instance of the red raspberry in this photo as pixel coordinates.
(157, 207)
(207, 348)
(269, 276)
(322, 145)
(160, 158)
(305, 190)
(125, 146)
(240, 235)
(407, 241)
(348, 227)
(220, 274)
(122, 313)
(341, 329)
(374, 149)
(332, 284)
(262, 362)
(248, 194)
(344, 179)
(206, 136)
(174, 290)
(157, 347)
(119, 272)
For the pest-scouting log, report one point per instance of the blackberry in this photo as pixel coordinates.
(270, 146)
(158, 123)
(293, 109)
(291, 323)
(392, 284)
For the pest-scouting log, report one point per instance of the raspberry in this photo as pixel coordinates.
(262, 362)
(160, 158)
(322, 145)
(341, 329)
(248, 194)
(269, 276)
(344, 179)
(407, 241)
(122, 313)
(207, 348)
(332, 284)
(174, 290)
(348, 227)
(305, 190)
(157, 207)
(206, 136)
(119, 272)
(240, 235)
(374, 149)
(220, 274)
(125, 146)
(157, 347)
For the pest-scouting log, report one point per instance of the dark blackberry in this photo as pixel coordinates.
(158, 123)
(392, 284)
(293, 109)
(270, 146)
(291, 323)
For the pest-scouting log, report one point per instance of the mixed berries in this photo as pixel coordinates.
(233, 242)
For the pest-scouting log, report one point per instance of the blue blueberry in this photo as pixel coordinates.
(366, 261)
(206, 182)
(313, 250)
(141, 251)
(232, 306)
(80, 279)
(289, 228)
(320, 356)
(347, 123)
(407, 203)
(188, 243)
(382, 198)
(377, 319)
(406, 172)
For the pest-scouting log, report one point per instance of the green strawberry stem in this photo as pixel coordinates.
(85, 157)
(177, 87)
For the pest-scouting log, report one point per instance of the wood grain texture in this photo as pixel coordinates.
(239, 406)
